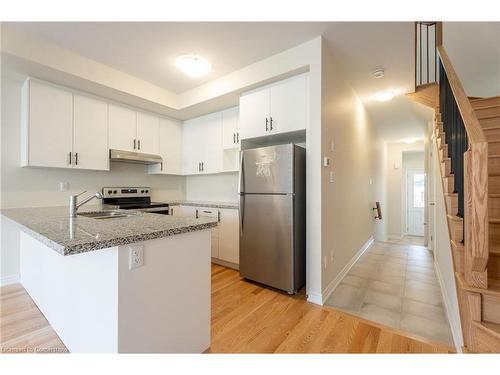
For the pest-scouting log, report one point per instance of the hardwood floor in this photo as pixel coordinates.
(246, 318)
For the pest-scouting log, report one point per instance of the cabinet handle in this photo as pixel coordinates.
(271, 124)
(76, 158)
(218, 216)
(197, 213)
(237, 137)
(234, 138)
(203, 166)
(161, 166)
(199, 167)
(70, 158)
(267, 122)
(134, 144)
(139, 144)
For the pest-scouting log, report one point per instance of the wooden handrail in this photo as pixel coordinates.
(476, 231)
(471, 123)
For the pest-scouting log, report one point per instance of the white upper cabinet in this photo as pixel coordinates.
(170, 148)
(230, 132)
(278, 108)
(122, 128)
(288, 105)
(90, 133)
(48, 126)
(148, 131)
(254, 113)
(202, 144)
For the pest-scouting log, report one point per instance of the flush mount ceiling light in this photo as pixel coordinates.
(384, 96)
(193, 65)
(378, 73)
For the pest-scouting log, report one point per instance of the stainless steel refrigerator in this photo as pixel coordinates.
(272, 196)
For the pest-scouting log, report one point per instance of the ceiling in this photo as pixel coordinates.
(148, 51)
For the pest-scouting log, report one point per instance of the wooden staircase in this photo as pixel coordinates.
(478, 287)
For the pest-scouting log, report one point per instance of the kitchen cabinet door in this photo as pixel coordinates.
(211, 143)
(288, 100)
(254, 110)
(90, 133)
(230, 136)
(170, 148)
(49, 127)
(148, 133)
(192, 143)
(229, 236)
(122, 128)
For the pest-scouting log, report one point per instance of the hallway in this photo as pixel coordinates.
(394, 283)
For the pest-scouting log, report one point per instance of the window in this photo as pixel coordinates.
(418, 190)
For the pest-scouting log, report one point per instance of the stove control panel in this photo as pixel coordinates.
(126, 192)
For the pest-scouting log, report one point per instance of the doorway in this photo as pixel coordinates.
(415, 201)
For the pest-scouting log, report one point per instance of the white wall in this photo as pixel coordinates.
(474, 50)
(356, 162)
(31, 187)
(395, 185)
(217, 187)
(443, 261)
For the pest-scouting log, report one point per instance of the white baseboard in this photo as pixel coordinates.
(315, 298)
(11, 279)
(453, 319)
(336, 281)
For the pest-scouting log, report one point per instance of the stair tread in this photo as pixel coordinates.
(487, 107)
(492, 328)
(455, 217)
(479, 99)
(493, 156)
(493, 286)
(494, 195)
(494, 220)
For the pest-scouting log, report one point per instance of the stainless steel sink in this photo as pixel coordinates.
(107, 214)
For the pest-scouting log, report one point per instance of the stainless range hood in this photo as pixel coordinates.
(134, 157)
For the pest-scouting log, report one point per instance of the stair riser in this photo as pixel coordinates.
(494, 166)
(439, 127)
(492, 122)
(484, 342)
(491, 308)
(452, 205)
(494, 207)
(449, 184)
(437, 117)
(494, 267)
(494, 233)
(457, 230)
(443, 153)
(487, 112)
(458, 258)
(494, 185)
(446, 168)
(492, 134)
(486, 102)
(494, 148)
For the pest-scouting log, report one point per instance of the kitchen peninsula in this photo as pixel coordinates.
(139, 283)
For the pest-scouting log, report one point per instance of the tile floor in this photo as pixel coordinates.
(393, 283)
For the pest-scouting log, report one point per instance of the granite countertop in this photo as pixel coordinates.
(68, 236)
(211, 204)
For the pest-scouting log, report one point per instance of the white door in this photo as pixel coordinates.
(415, 186)
(289, 105)
(254, 111)
(230, 136)
(210, 130)
(50, 126)
(191, 149)
(229, 236)
(122, 128)
(148, 133)
(90, 133)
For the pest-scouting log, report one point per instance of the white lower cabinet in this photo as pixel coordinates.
(225, 237)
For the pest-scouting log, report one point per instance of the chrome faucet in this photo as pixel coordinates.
(74, 206)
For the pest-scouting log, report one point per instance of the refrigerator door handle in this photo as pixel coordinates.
(241, 181)
(242, 211)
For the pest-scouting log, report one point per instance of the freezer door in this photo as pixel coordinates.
(266, 240)
(267, 170)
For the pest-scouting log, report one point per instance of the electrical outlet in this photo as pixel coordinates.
(136, 256)
(63, 186)
(331, 177)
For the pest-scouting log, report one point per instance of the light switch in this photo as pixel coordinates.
(331, 177)
(326, 161)
(63, 186)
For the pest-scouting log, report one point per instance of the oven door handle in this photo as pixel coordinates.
(153, 209)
